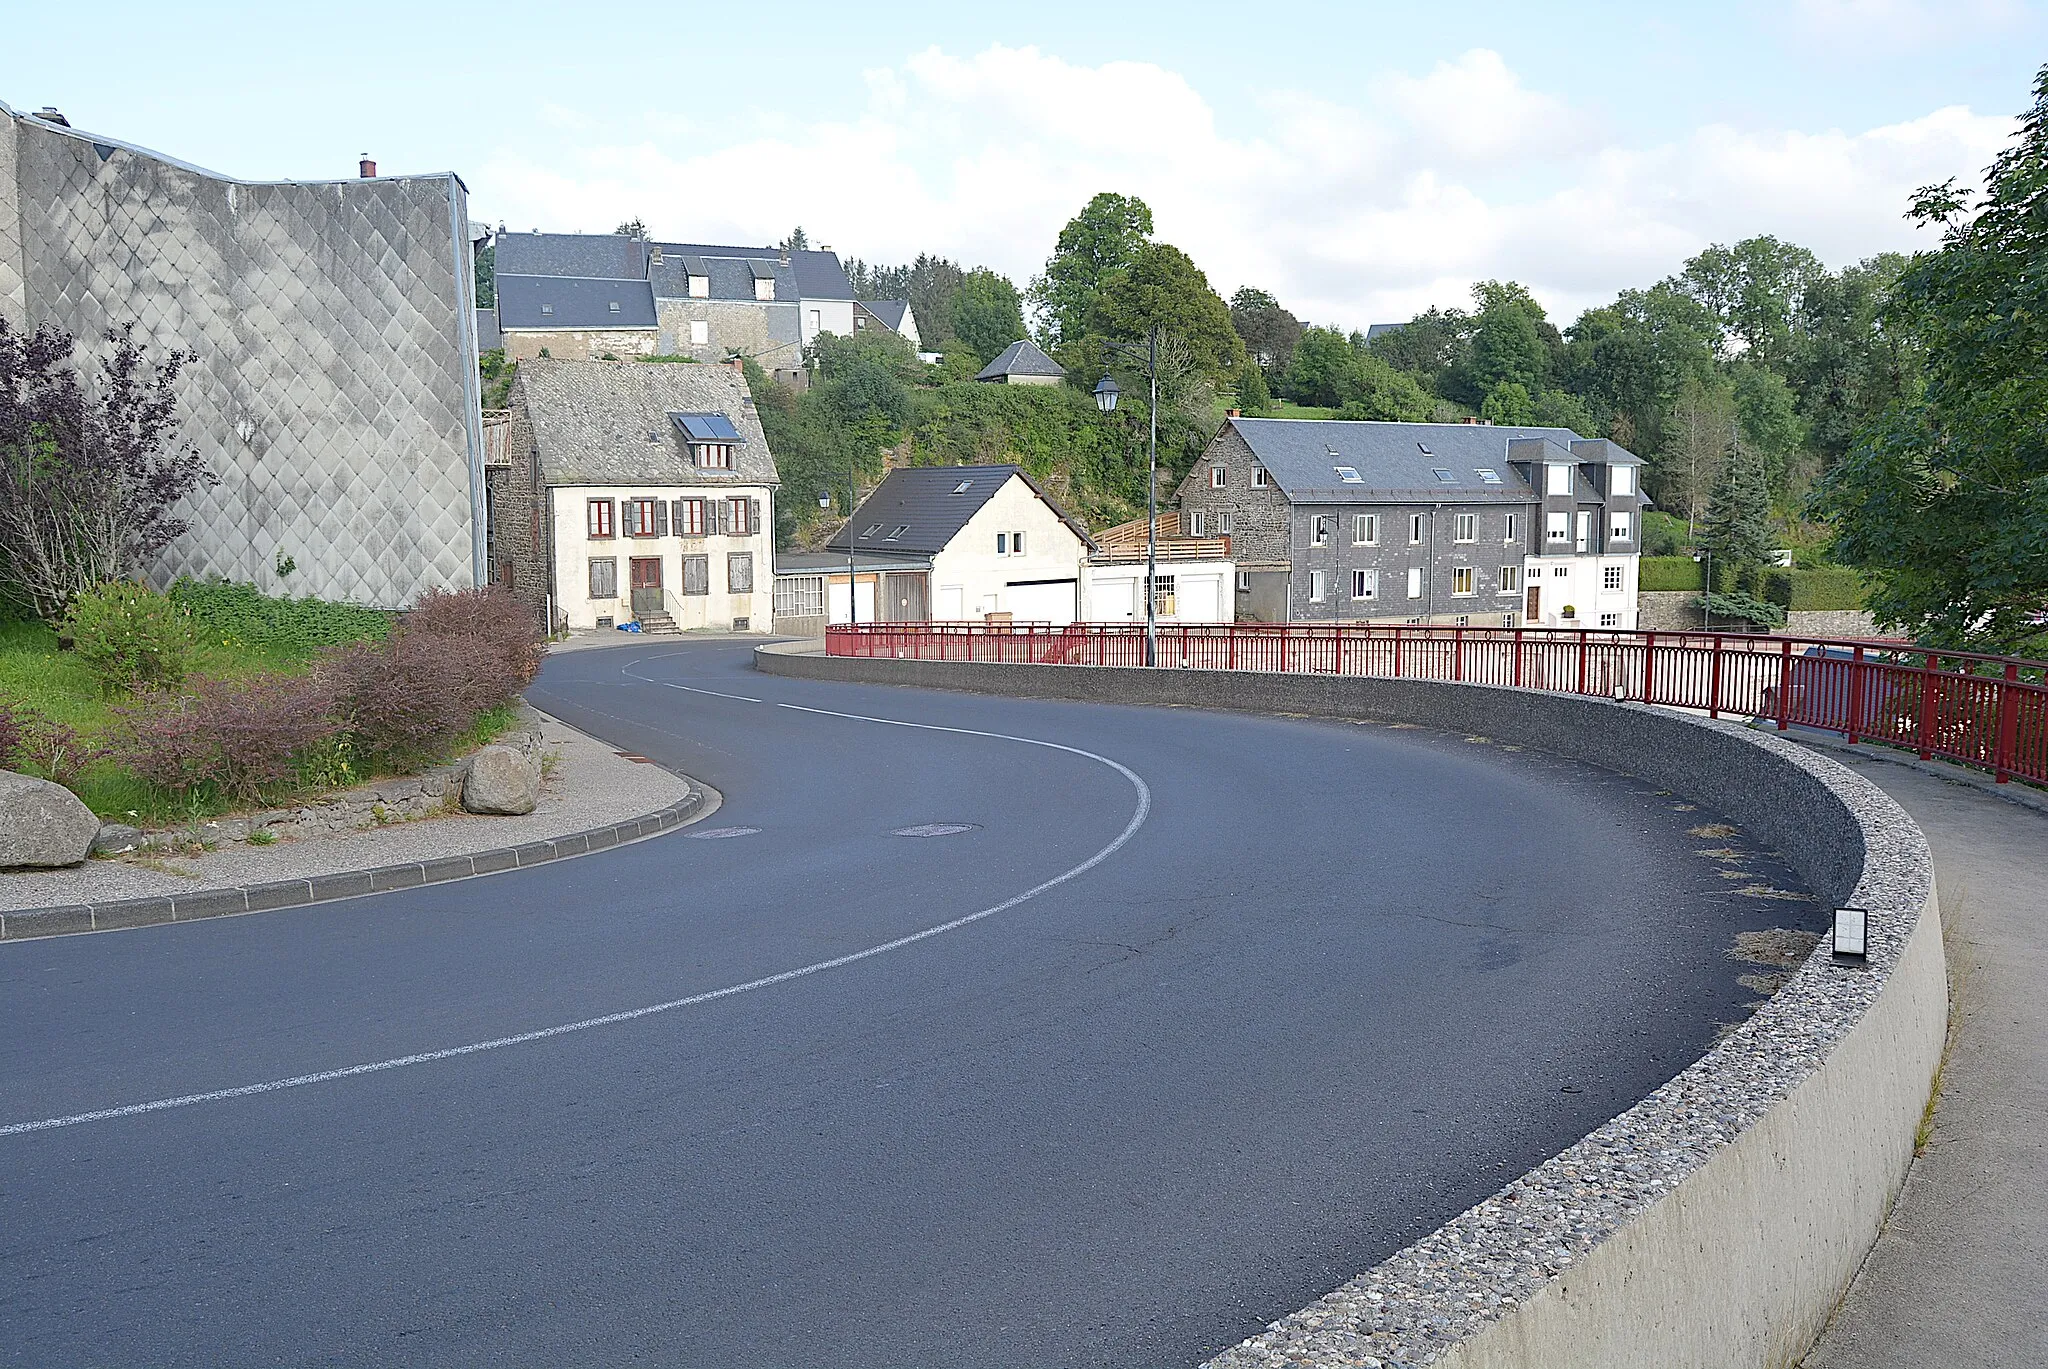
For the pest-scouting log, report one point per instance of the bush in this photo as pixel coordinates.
(1669, 573)
(498, 648)
(130, 636)
(240, 736)
(241, 615)
(1832, 589)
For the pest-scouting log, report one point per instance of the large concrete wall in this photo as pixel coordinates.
(1717, 1222)
(334, 390)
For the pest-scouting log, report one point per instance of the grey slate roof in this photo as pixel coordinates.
(570, 254)
(1303, 455)
(820, 276)
(1373, 330)
(731, 271)
(577, 302)
(931, 505)
(888, 311)
(487, 335)
(1021, 358)
(607, 422)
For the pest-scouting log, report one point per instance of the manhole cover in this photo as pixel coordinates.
(720, 833)
(936, 829)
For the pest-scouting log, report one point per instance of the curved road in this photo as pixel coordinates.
(1288, 994)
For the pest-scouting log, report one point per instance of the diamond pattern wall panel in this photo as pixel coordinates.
(334, 390)
(12, 297)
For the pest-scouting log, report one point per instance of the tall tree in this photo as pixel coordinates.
(1432, 345)
(1737, 526)
(797, 241)
(91, 475)
(1945, 496)
(1163, 289)
(1848, 360)
(1698, 435)
(1268, 331)
(1103, 238)
(1751, 290)
(986, 313)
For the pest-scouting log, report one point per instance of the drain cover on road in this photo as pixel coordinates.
(720, 833)
(936, 829)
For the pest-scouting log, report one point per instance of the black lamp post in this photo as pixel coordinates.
(1106, 392)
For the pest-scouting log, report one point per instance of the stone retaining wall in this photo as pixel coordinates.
(1717, 1222)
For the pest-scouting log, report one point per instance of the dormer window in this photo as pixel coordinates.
(764, 289)
(1624, 480)
(700, 287)
(715, 456)
(1557, 478)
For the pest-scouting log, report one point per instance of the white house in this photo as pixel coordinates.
(996, 542)
(1194, 575)
(654, 491)
(893, 315)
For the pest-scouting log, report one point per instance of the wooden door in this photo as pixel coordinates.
(1530, 614)
(647, 596)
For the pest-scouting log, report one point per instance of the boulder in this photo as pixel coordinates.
(42, 824)
(116, 838)
(501, 780)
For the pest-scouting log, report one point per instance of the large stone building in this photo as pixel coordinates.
(334, 389)
(1451, 523)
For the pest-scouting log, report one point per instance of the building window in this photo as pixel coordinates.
(739, 572)
(1585, 538)
(642, 518)
(614, 307)
(1415, 582)
(1468, 527)
(1365, 530)
(700, 333)
(1223, 522)
(740, 522)
(1365, 584)
(764, 288)
(817, 322)
(1218, 477)
(1016, 544)
(1507, 620)
(1624, 480)
(600, 517)
(1349, 475)
(1610, 577)
(1319, 530)
(1002, 544)
(1244, 582)
(1461, 580)
(547, 308)
(1557, 479)
(1557, 527)
(1463, 620)
(1508, 531)
(1619, 527)
(690, 518)
(713, 455)
(1316, 581)
(1559, 572)
(1198, 524)
(604, 578)
(1510, 579)
(1162, 597)
(696, 575)
(1259, 477)
(1414, 529)
(700, 287)
(799, 596)
(1610, 620)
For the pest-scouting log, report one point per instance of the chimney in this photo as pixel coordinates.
(1471, 422)
(49, 115)
(1233, 413)
(366, 168)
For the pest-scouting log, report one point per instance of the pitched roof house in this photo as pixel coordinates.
(892, 314)
(1022, 363)
(637, 491)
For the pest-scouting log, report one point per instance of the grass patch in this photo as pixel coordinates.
(1287, 408)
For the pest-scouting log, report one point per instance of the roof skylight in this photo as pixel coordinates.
(1349, 475)
(963, 487)
(870, 530)
(896, 533)
(1423, 447)
(1487, 474)
(1448, 477)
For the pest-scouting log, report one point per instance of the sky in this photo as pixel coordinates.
(1360, 161)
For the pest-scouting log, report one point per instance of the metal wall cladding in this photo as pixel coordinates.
(334, 388)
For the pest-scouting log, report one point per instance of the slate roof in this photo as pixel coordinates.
(608, 422)
(820, 276)
(889, 312)
(570, 254)
(1373, 330)
(487, 335)
(1303, 456)
(578, 302)
(731, 271)
(1021, 358)
(930, 504)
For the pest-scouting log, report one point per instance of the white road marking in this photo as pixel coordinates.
(299, 1081)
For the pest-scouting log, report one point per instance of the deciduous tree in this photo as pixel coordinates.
(1104, 237)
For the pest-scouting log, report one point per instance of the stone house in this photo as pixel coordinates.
(1022, 363)
(1449, 523)
(640, 491)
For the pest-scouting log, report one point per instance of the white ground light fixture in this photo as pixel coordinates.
(1851, 934)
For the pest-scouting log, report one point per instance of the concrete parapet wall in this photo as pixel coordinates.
(1718, 1221)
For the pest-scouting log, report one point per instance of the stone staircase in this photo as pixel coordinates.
(658, 621)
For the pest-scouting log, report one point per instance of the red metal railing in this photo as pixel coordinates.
(1985, 711)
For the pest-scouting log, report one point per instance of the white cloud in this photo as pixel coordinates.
(1903, 23)
(1351, 211)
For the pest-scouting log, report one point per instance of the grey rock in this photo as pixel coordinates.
(501, 780)
(44, 824)
(115, 838)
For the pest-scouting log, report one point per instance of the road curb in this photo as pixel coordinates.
(122, 913)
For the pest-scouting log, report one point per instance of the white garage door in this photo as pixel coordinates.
(1042, 603)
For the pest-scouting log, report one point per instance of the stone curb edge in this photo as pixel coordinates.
(113, 914)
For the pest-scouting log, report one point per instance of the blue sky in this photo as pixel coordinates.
(1360, 160)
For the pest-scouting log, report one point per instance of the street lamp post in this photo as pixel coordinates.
(1106, 393)
(1706, 591)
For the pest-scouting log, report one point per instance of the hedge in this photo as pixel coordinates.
(241, 615)
(1667, 573)
(1831, 589)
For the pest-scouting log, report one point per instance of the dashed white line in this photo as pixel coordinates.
(297, 1081)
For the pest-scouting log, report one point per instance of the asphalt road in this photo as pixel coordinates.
(1337, 983)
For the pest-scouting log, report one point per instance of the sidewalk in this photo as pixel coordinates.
(589, 785)
(1960, 1275)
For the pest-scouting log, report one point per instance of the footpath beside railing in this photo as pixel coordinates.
(1985, 711)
